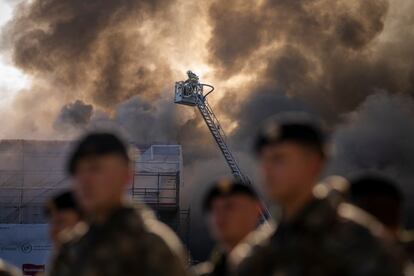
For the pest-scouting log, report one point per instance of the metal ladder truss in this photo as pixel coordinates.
(219, 136)
(213, 125)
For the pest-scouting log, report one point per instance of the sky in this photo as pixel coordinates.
(12, 79)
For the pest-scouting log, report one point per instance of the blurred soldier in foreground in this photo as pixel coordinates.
(120, 239)
(314, 236)
(381, 198)
(63, 214)
(233, 212)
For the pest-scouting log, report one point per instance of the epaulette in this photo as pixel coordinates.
(259, 237)
(360, 217)
(334, 189)
(73, 234)
(154, 226)
(204, 268)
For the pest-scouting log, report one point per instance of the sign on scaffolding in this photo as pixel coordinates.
(26, 246)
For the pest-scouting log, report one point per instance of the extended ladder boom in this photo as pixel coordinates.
(190, 92)
(219, 136)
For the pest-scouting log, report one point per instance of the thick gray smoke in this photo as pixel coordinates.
(263, 105)
(329, 55)
(378, 137)
(76, 115)
(95, 48)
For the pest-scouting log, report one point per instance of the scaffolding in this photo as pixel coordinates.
(30, 173)
(157, 182)
(33, 171)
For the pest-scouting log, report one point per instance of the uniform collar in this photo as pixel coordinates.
(117, 215)
(314, 215)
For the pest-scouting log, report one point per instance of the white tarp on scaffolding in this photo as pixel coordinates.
(30, 173)
(25, 245)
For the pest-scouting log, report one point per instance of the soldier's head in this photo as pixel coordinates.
(291, 152)
(233, 210)
(63, 212)
(101, 169)
(379, 196)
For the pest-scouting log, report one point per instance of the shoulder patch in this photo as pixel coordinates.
(259, 237)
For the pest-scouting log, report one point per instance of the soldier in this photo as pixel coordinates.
(119, 239)
(63, 214)
(381, 198)
(233, 212)
(314, 236)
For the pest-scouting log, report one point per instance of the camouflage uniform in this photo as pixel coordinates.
(222, 263)
(320, 241)
(216, 266)
(132, 242)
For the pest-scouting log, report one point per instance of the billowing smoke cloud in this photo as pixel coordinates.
(96, 49)
(74, 115)
(99, 52)
(377, 137)
(330, 55)
(247, 113)
(267, 57)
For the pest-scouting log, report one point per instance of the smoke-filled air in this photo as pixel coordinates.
(108, 63)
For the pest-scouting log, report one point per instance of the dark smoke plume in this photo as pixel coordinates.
(74, 115)
(94, 50)
(377, 137)
(330, 55)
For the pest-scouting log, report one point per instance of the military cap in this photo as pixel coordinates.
(375, 184)
(227, 187)
(97, 144)
(379, 196)
(63, 201)
(300, 128)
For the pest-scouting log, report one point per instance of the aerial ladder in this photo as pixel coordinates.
(191, 92)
